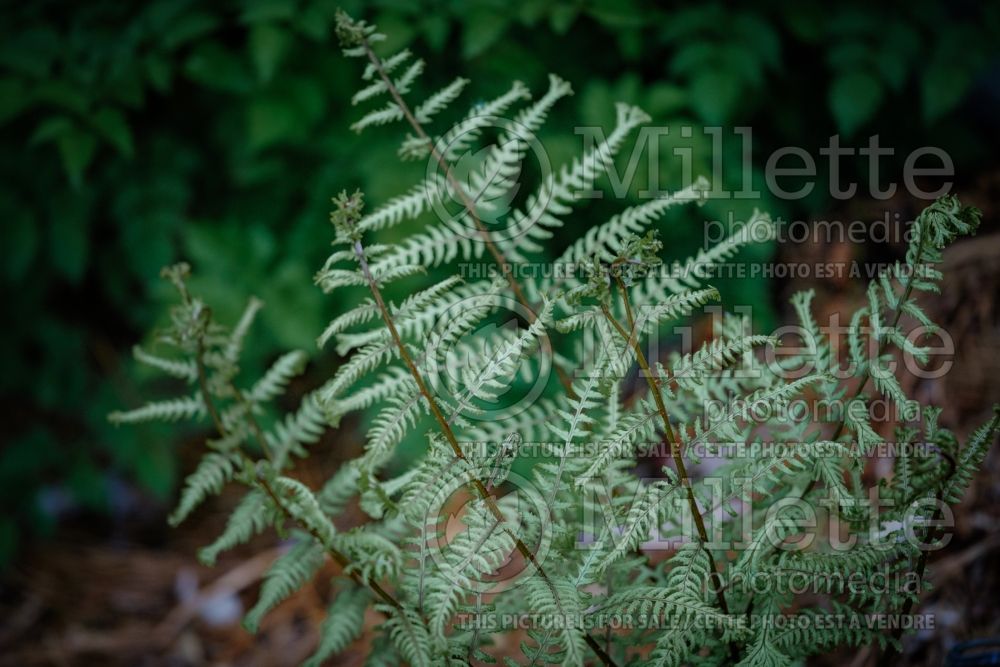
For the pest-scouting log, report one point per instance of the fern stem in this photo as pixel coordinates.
(671, 441)
(449, 435)
(254, 424)
(206, 395)
(248, 464)
(889, 656)
(335, 553)
(467, 202)
(907, 291)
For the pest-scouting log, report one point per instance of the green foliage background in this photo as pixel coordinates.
(138, 134)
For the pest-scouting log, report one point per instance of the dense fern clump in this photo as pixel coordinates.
(582, 560)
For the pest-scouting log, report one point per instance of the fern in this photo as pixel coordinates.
(289, 573)
(477, 525)
(343, 624)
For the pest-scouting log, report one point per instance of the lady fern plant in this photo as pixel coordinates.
(582, 560)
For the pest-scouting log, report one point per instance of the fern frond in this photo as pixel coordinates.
(365, 312)
(343, 624)
(970, 459)
(420, 312)
(252, 515)
(409, 635)
(303, 427)
(659, 285)
(544, 208)
(234, 344)
(289, 573)
(361, 363)
(557, 597)
(484, 379)
(181, 369)
(465, 132)
(674, 307)
(645, 514)
(636, 427)
(388, 114)
(212, 473)
(276, 379)
(692, 369)
(191, 407)
(409, 206)
(401, 413)
(300, 504)
(440, 100)
(605, 241)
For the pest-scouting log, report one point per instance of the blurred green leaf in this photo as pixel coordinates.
(267, 10)
(69, 241)
(62, 94)
(213, 66)
(159, 71)
(562, 17)
(189, 27)
(942, 88)
(22, 237)
(949, 74)
(76, 145)
(268, 46)
(854, 99)
(619, 14)
(714, 95)
(13, 99)
(31, 51)
(269, 120)
(435, 28)
(664, 99)
(114, 128)
(483, 28)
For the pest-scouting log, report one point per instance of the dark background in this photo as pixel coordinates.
(138, 134)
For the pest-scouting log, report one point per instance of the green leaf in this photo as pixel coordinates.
(114, 128)
(21, 238)
(693, 57)
(618, 14)
(664, 99)
(159, 71)
(214, 67)
(62, 94)
(188, 28)
(715, 94)
(482, 29)
(30, 51)
(435, 29)
(76, 145)
(13, 99)
(562, 17)
(268, 10)
(760, 36)
(269, 120)
(854, 98)
(268, 46)
(69, 241)
(942, 88)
